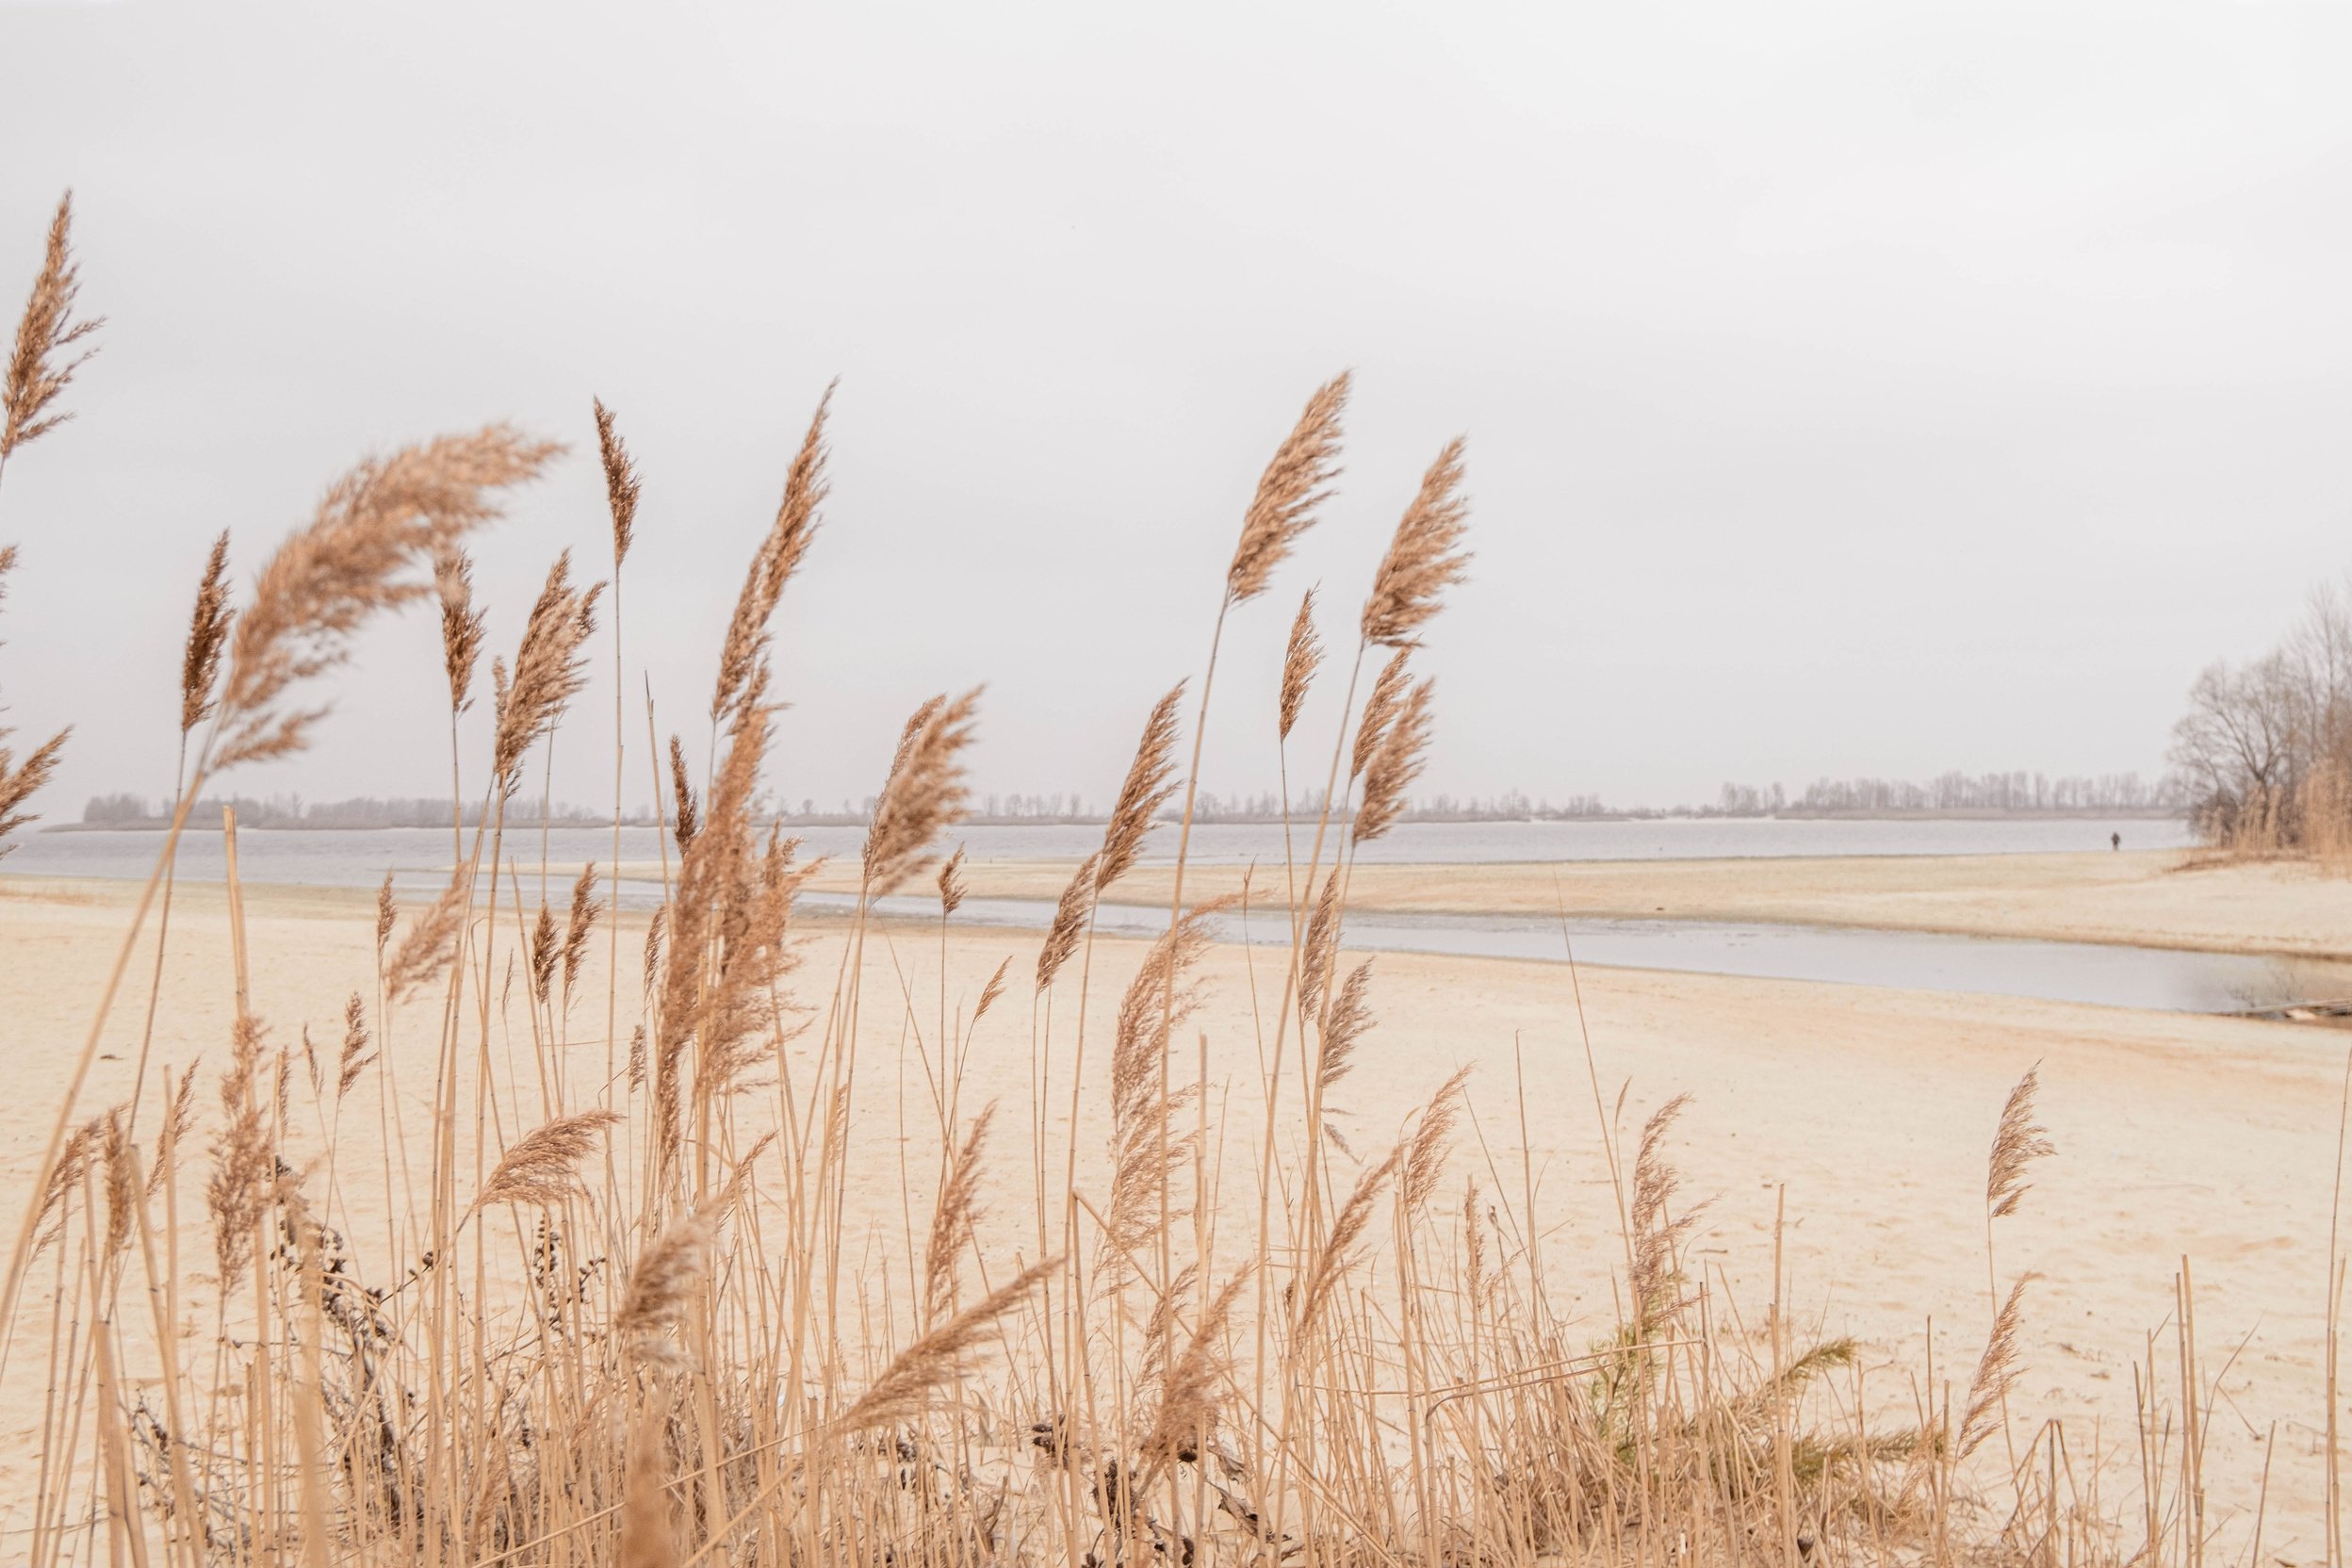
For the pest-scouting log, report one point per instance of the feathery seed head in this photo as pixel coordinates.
(1424, 557)
(1300, 659)
(1294, 485)
(1150, 783)
(207, 635)
(38, 370)
(621, 485)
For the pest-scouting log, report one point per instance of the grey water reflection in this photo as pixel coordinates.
(2165, 979)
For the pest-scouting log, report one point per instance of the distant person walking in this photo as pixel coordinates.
(2115, 841)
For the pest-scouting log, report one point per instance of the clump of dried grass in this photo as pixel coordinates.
(622, 487)
(549, 671)
(1295, 483)
(207, 635)
(384, 517)
(1420, 1401)
(1071, 914)
(1302, 657)
(41, 364)
(425, 953)
(1149, 782)
(924, 795)
(1424, 559)
(1403, 753)
(543, 1166)
(2017, 1143)
(687, 817)
(21, 780)
(463, 625)
(778, 557)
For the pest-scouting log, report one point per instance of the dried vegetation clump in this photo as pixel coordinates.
(651, 1331)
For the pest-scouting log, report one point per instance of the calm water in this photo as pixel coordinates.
(419, 856)
(2065, 972)
(2161, 979)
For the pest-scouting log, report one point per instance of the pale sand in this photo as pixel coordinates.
(2207, 1138)
(2147, 898)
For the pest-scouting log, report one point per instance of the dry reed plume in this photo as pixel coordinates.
(1424, 559)
(21, 780)
(666, 1327)
(2019, 1142)
(40, 369)
(1295, 483)
(1301, 657)
(622, 487)
(463, 625)
(1147, 786)
(924, 795)
(779, 556)
(543, 1166)
(207, 635)
(379, 519)
(549, 670)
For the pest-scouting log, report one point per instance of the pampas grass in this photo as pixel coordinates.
(923, 796)
(207, 635)
(543, 1166)
(1295, 483)
(42, 364)
(1424, 559)
(1146, 789)
(21, 780)
(779, 556)
(661, 1326)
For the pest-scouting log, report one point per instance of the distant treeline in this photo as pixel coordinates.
(289, 811)
(1953, 793)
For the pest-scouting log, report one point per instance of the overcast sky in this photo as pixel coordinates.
(1856, 388)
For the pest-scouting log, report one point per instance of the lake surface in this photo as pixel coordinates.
(2164, 979)
(2062, 972)
(419, 856)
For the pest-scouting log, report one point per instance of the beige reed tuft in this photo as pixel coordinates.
(1424, 557)
(778, 557)
(662, 1284)
(919, 1371)
(955, 1219)
(463, 625)
(1294, 485)
(924, 795)
(621, 485)
(1151, 780)
(42, 365)
(1301, 657)
(549, 670)
(354, 1058)
(21, 782)
(951, 883)
(1403, 753)
(2017, 1143)
(1070, 915)
(207, 636)
(541, 1166)
(1997, 1372)
(688, 817)
(1380, 711)
(586, 908)
(425, 953)
(384, 517)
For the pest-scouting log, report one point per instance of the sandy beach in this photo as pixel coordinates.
(2154, 898)
(1861, 1114)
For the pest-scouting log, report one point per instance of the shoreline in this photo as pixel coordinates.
(2162, 900)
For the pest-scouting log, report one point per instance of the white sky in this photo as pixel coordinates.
(1852, 389)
